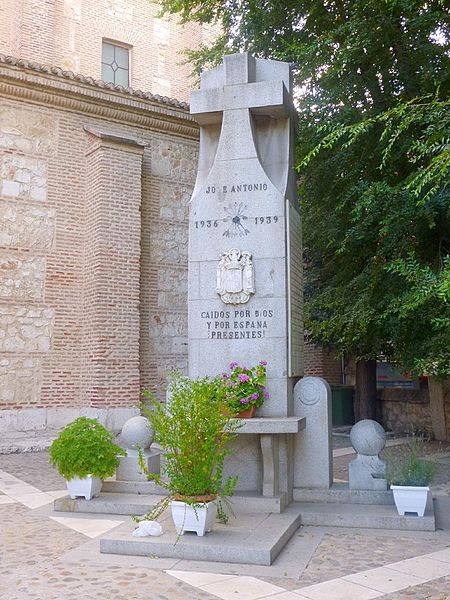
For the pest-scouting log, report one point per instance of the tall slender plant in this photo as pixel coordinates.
(194, 431)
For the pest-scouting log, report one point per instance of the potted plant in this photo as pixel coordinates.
(410, 477)
(193, 431)
(84, 454)
(245, 389)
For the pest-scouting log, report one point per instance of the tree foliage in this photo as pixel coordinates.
(397, 229)
(372, 81)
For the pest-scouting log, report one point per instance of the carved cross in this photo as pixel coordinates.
(230, 93)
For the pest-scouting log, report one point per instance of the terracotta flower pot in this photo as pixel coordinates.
(248, 413)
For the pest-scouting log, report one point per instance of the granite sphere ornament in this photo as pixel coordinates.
(367, 471)
(368, 437)
(137, 432)
(137, 435)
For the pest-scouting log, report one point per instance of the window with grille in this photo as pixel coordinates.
(115, 64)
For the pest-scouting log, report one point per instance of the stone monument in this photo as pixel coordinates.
(367, 471)
(245, 256)
(245, 261)
(245, 305)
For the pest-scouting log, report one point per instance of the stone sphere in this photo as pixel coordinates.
(368, 437)
(137, 432)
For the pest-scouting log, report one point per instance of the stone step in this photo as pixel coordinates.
(122, 503)
(340, 493)
(255, 539)
(108, 504)
(318, 513)
(27, 441)
(132, 487)
(377, 516)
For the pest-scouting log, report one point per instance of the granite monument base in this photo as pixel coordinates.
(250, 538)
(130, 470)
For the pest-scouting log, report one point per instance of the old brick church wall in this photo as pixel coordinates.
(94, 187)
(69, 34)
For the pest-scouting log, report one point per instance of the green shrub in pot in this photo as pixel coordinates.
(409, 477)
(85, 447)
(408, 469)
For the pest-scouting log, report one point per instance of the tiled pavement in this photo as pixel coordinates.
(372, 583)
(51, 556)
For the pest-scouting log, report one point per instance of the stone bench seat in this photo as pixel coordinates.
(272, 425)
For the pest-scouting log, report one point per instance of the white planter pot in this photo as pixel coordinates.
(410, 498)
(88, 487)
(189, 518)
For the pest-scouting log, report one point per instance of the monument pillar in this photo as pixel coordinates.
(245, 258)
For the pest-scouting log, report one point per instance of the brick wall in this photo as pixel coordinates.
(37, 29)
(69, 34)
(10, 26)
(320, 362)
(111, 270)
(94, 189)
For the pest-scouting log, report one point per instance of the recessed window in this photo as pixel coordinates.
(115, 64)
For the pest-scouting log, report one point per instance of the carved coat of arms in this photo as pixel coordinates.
(235, 277)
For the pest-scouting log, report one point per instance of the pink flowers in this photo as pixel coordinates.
(263, 363)
(245, 386)
(266, 395)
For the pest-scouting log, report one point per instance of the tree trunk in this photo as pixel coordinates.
(439, 394)
(366, 390)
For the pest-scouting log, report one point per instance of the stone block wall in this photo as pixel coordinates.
(168, 177)
(27, 237)
(405, 410)
(69, 34)
(94, 189)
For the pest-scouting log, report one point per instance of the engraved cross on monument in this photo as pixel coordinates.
(245, 261)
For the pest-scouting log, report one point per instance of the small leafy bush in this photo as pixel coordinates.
(85, 447)
(409, 469)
